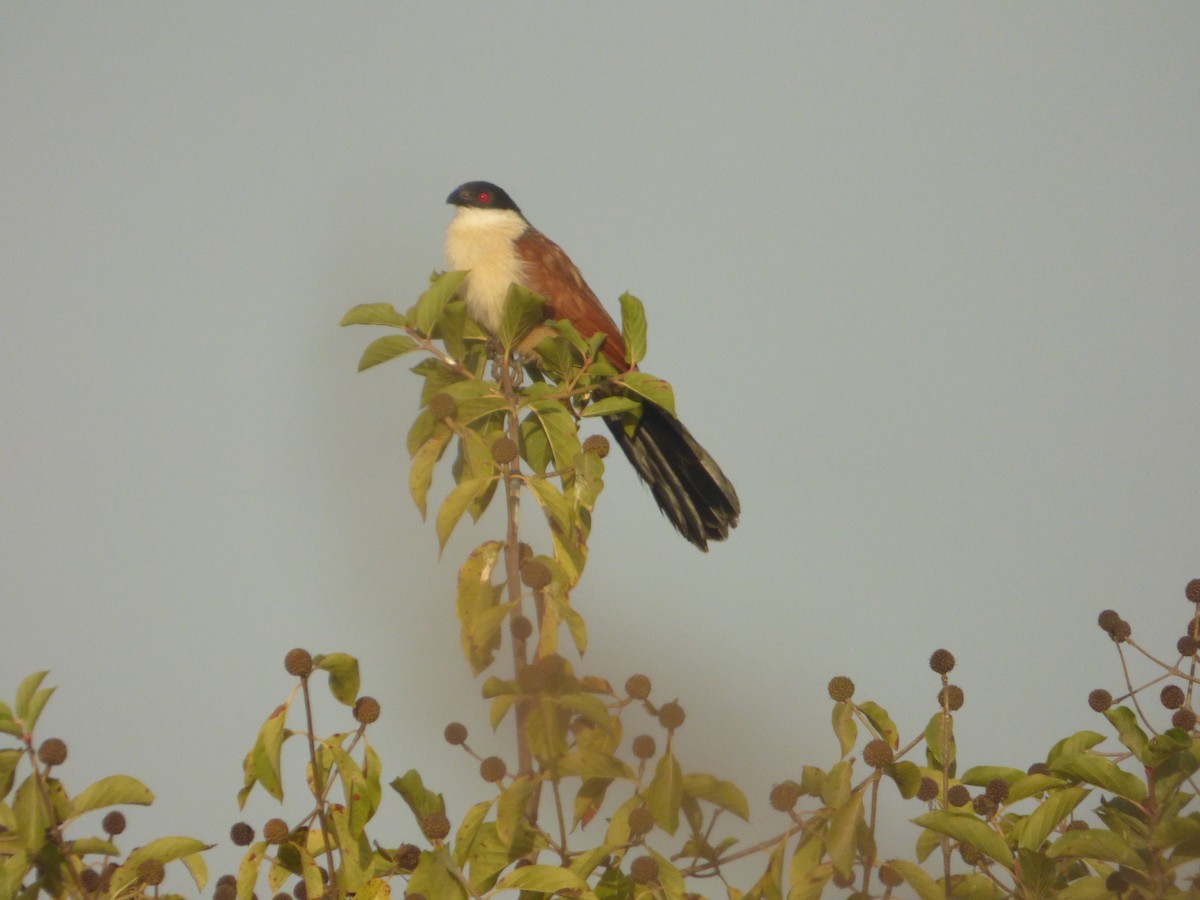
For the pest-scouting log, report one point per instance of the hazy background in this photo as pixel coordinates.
(923, 277)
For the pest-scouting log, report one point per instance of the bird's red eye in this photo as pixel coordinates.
(484, 196)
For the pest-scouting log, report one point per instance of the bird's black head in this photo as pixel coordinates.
(482, 195)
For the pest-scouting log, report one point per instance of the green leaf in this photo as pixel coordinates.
(374, 314)
(1103, 773)
(1076, 743)
(967, 829)
(560, 431)
(480, 614)
(807, 875)
(248, 869)
(557, 509)
(907, 777)
(110, 791)
(419, 798)
(431, 303)
(510, 808)
(724, 794)
(844, 726)
(841, 838)
(343, 675)
(32, 821)
(1130, 733)
(1029, 785)
(835, 790)
(610, 406)
(262, 762)
(433, 877)
(664, 794)
(164, 849)
(36, 703)
(881, 721)
(420, 474)
(1096, 843)
(651, 388)
(544, 879)
(382, 349)
(522, 311)
(981, 775)
(1048, 815)
(940, 730)
(8, 725)
(633, 328)
(25, 692)
(594, 764)
(468, 831)
(918, 879)
(456, 503)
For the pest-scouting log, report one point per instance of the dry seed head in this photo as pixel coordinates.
(1172, 696)
(969, 854)
(997, 790)
(443, 406)
(952, 696)
(455, 733)
(521, 627)
(300, 892)
(643, 746)
(878, 754)
(435, 826)
(152, 872)
(298, 663)
(644, 870)
(90, 879)
(941, 661)
(637, 686)
(841, 688)
(275, 831)
(408, 856)
(641, 821)
(366, 710)
(985, 806)
(784, 796)
(1108, 619)
(113, 822)
(1192, 591)
(535, 574)
(670, 715)
(504, 450)
(1076, 825)
(493, 769)
(958, 795)
(928, 789)
(1187, 645)
(241, 834)
(890, 877)
(1121, 632)
(226, 891)
(52, 752)
(1100, 700)
(1115, 883)
(1184, 719)
(596, 443)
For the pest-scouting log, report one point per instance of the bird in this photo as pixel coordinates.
(490, 238)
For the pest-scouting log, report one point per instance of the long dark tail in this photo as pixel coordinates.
(687, 483)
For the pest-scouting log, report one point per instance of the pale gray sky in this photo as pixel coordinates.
(923, 277)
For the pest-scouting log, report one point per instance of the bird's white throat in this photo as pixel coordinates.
(481, 241)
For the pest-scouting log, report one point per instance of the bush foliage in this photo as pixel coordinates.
(596, 800)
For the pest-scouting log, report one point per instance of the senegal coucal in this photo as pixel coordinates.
(494, 242)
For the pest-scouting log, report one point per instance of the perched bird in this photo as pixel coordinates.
(494, 242)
